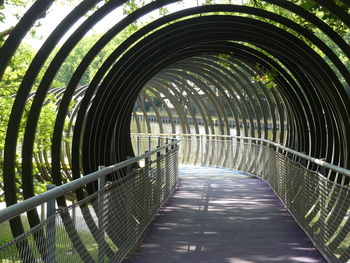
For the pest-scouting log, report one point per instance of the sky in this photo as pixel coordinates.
(61, 8)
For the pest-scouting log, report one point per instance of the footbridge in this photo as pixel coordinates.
(95, 122)
(106, 225)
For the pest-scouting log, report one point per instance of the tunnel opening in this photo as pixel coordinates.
(211, 94)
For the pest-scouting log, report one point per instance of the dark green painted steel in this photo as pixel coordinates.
(309, 108)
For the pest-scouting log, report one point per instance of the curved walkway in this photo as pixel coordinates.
(218, 215)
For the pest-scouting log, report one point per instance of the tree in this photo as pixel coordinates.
(18, 7)
(8, 89)
(322, 13)
(312, 7)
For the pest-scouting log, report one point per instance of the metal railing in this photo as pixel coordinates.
(315, 192)
(104, 226)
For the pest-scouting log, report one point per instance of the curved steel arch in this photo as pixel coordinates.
(316, 102)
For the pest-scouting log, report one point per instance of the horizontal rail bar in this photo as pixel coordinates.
(30, 203)
(319, 162)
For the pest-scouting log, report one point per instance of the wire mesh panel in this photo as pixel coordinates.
(105, 226)
(318, 198)
(144, 143)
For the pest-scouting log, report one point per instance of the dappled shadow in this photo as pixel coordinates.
(226, 217)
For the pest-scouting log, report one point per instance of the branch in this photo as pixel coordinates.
(6, 32)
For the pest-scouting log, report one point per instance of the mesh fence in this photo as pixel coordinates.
(105, 226)
(318, 198)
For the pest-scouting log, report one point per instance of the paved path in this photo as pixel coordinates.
(222, 216)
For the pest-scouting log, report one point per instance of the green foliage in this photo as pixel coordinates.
(5, 230)
(224, 60)
(12, 78)
(9, 85)
(266, 76)
(10, 3)
(45, 127)
(150, 93)
(321, 12)
(16, 69)
(71, 63)
(19, 7)
(74, 59)
(312, 7)
(163, 11)
(133, 5)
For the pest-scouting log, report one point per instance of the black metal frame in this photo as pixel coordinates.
(309, 95)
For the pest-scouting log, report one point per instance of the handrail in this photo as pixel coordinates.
(317, 161)
(30, 203)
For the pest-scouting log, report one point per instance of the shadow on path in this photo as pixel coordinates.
(218, 215)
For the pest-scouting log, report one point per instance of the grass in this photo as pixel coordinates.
(5, 230)
(64, 247)
(6, 235)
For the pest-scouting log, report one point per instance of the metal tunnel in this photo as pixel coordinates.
(209, 62)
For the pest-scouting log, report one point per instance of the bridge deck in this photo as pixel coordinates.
(222, 216)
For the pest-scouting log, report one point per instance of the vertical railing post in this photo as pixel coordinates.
(74, 212)
(159, 178)
(217, 150)
(231, 151)
(51, 227)
(322, 184)
(167, 169)
(146, 201)
(42, 212)
(138, 145)
(146, 162)
(129, 198)
(129, 167)
(149, 143)
(100, 217)
(176, 175)
(201, 148)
